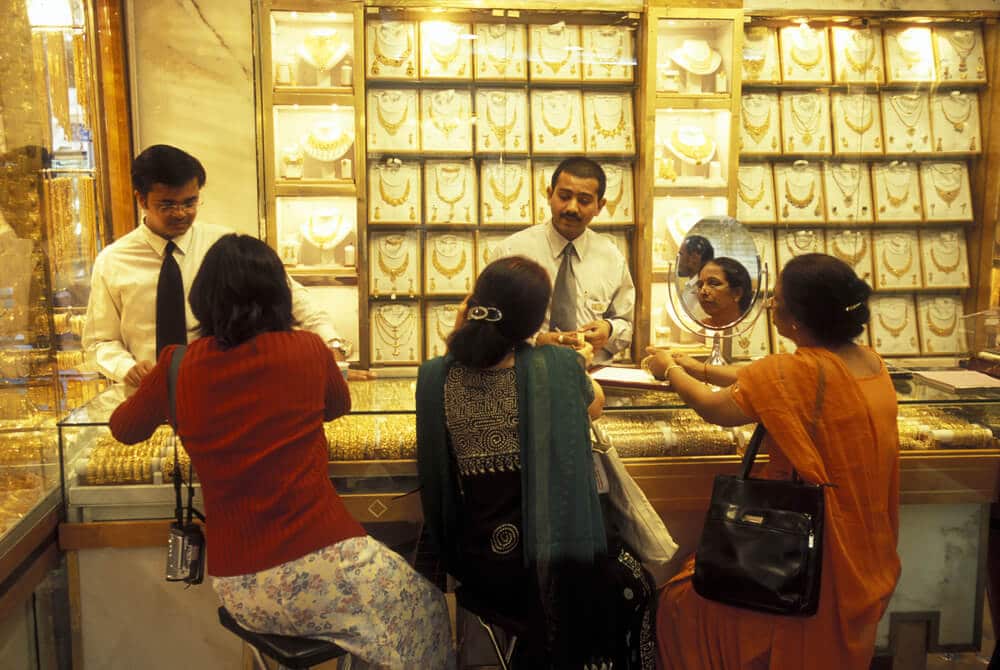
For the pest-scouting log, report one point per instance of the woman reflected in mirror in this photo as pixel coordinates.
(724, 291)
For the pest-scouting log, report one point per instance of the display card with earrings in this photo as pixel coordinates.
(960, 54)
(619, 195)
(857, 55)
(907, 122)
(941, 327)
(857, 124)
(805, 122)
(945, 188)
(394, 263)
(608, 53)
(897, 259)
(541, 181)
(452, 192)
(486, 248)
(792, 242)
(505, 188)
(554, 52)
(763, 239)
(446, 121)
(502, 121)
(501, 52)
(754, 343)
(445, 50)
(893, 324)
(449, 263)
(760, 123)
(393, 120)
(394, 192)
(395, 333)
(896, 186)
(798, 190)
(854, 247)
(391, 50)
(945, 257)
(909, 54)
(440, 321)
(805, 54)
(755, 193)
(760, 61)
(557, 122)
(848, 193)
(955, 123)
(609, 123)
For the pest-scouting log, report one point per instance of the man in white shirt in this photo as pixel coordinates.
(598, 273)
(120, 330)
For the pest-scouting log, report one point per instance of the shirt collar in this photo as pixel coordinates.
(557, 242)
(159, 245)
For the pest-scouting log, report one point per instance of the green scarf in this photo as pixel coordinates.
(561, 513)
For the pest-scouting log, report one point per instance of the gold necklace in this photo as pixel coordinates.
(456, 172)
(745, 193)
(554, 65)
(500, 130)
(382, 59)
(946, 268)
(908, 109)
(326, 142)
(601, 129)
(443, 57)
(801, 242)
(806, 56)
(384, 255)
(802, 105)
(611, 204)
(860, 65)
(697, 152)
(896, 201)
(858, 239)
(611, 56)
(499, 63)
(836, 172)
(755, 50)
(323, 229)
(899, 247)
(895, 332)
(756, 130)
(952, 177)
(321, 49)
(866, 119)
(957, 120)
(442, 330)
(942, 331)
(449, 120)
(449, 272)
(506, 199)
(393, 334)
(799, 202)
(391, 127)
(388, 198)
(962, 43)
(555, 131)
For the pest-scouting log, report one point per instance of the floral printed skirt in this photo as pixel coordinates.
(356, 593)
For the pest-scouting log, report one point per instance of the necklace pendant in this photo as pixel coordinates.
(409, 70)
(807, 138)
(848, 200)
(911, 131)
(960, 126)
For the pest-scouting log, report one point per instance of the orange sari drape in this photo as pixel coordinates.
(856, 448)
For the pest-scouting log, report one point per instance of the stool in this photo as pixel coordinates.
(289, 652)
(488, 618)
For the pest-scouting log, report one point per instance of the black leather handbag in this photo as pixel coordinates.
(762, 544)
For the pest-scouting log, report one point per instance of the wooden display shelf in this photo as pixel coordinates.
(685, 101)
(864, 87)
(323, 276)
(297, 188)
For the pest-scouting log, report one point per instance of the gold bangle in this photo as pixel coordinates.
(666, 373)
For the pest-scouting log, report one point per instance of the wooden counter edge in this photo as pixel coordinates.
(113, 534)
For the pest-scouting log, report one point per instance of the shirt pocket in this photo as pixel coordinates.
(598, 299)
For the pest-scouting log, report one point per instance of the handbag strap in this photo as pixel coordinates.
(183, 514)
(758, 434)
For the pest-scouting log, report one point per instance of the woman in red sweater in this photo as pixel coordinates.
(252, 395)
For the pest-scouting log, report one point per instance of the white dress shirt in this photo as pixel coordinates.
(121, 314)
(604, 285)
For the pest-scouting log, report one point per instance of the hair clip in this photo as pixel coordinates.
(851, 308)
(480, 313)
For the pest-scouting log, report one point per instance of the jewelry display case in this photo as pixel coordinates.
(905, 144)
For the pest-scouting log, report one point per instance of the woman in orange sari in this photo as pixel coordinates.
(821, 305)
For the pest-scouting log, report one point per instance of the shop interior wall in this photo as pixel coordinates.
(191, 66)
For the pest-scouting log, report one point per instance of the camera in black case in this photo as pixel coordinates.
(186, 554)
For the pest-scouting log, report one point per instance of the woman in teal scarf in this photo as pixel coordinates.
(507, 480)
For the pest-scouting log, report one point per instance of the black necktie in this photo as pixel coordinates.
(564, 293)
(170, 322)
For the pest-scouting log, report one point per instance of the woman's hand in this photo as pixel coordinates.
(658, 361)
(586, 350)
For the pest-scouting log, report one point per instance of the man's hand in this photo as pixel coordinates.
(138, 371)
(597, 333)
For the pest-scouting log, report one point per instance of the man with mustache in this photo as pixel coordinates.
(593, 296)
(121, 329)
